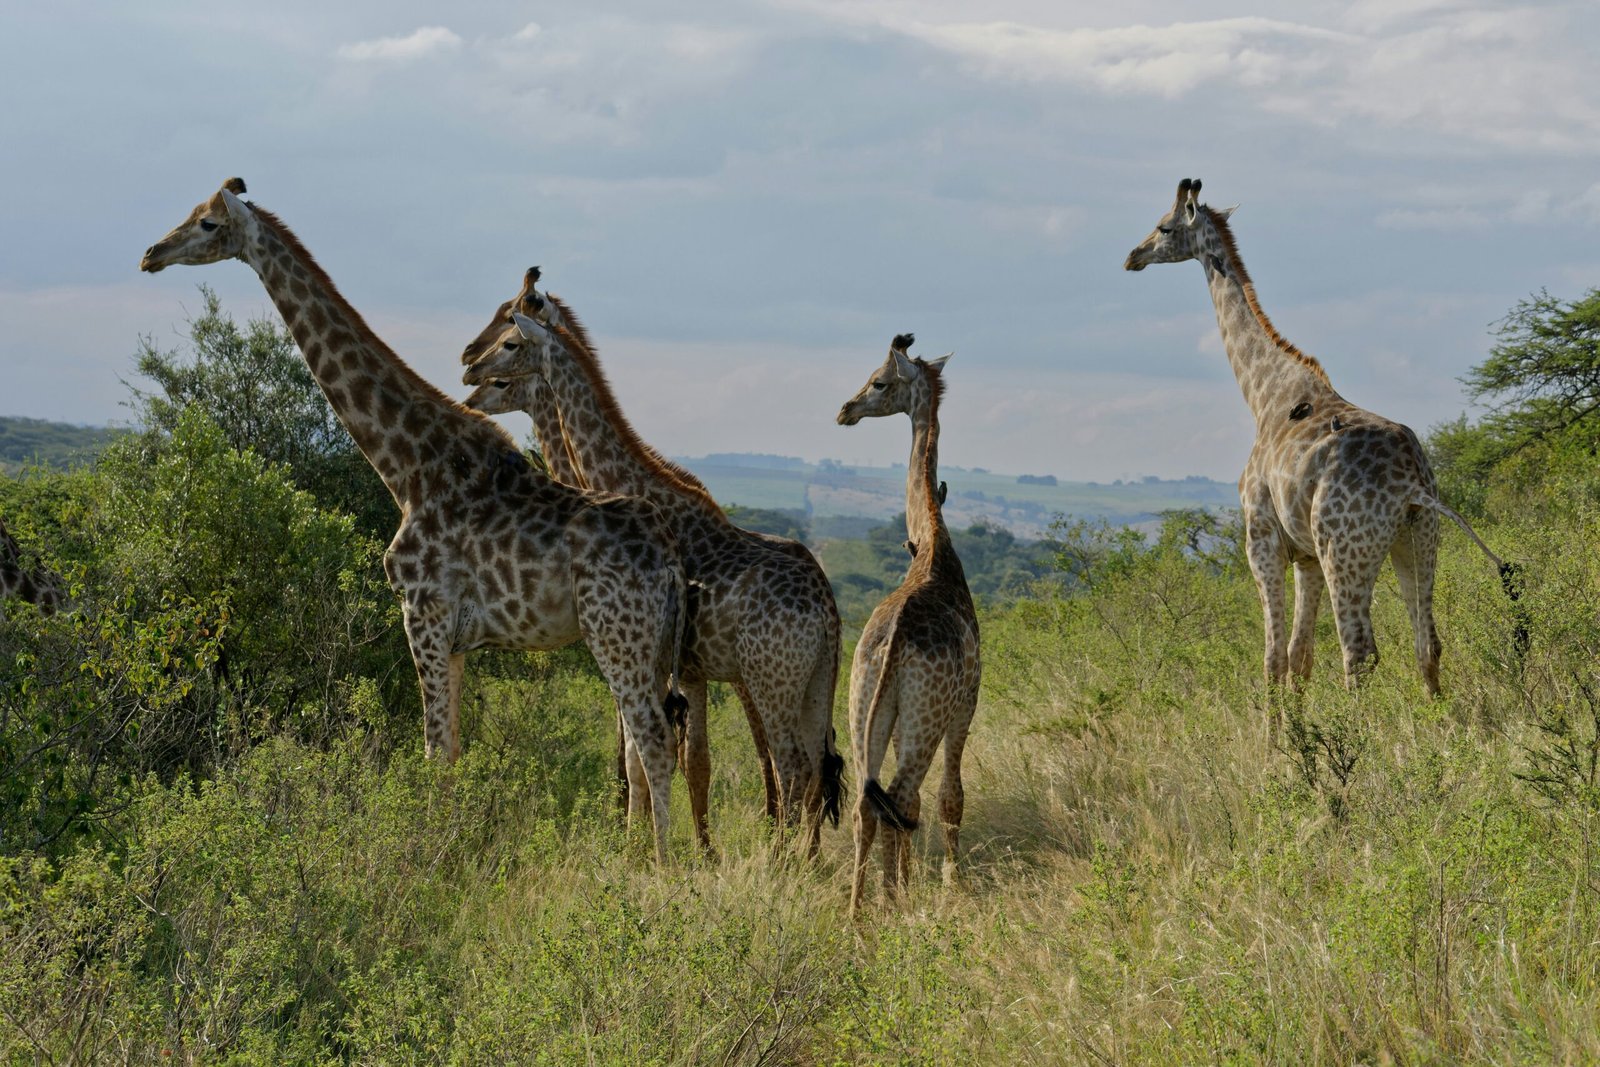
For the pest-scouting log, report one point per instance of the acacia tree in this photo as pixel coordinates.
(1542, 384)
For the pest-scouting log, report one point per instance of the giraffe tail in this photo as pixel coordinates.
(1510, 573)
(676, 704)
(832, 780)
(1427, 500)
(883, 805)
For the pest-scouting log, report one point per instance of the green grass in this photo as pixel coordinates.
(1150, 877)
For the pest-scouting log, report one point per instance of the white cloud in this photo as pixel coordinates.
(1517, 77)
(1166, 60)
(414, 45)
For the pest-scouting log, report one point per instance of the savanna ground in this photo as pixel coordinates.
(221, 843)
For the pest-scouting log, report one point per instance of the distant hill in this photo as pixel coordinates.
(1025, 505)
(25, 441)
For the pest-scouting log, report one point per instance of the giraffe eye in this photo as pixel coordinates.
(207, 225)
(1163, 229)
(880, 385)
(512, 346)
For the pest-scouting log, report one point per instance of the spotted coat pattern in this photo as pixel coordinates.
(917, 667)
(1330, 488)
(490, 553)
(763, 615)
(29, 581)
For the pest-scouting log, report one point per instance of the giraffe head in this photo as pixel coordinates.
(498, 396)
(900, 384)
(520, 349)
(1182, 232)
(528, 301)
(216, 229)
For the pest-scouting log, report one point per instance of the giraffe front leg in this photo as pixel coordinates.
(439, 675)
(638, 783)
(1265, 551)
(758, 734)
(695, 757)
(866, 828)
(1308, 587)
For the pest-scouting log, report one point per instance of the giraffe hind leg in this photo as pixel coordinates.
(1352, 572)
(1415, 555)
(439, 676)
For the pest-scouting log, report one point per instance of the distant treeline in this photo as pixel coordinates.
(39, 442)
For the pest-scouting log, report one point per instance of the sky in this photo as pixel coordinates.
(746, 199)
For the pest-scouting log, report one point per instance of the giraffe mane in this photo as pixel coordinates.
(1236, 267)
(935, 516)
(366, 335)
(572, 330)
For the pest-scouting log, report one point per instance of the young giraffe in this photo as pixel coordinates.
(490, 553)
(764, 617)
(917, 667)
(1329, 487)
(35, 583)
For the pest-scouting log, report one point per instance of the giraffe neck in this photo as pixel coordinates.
(1273, 374)
(400, 423)
(607, 451)
(924, 520)
(551, 435)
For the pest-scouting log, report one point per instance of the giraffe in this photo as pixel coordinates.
(1329, 487)
(764, 617)
(35, 583)
(490, 553)
(917, 667)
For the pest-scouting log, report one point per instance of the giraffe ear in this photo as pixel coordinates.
(238, 210)
(903, 369)
(938, 362)
(1223, 212)
(530, 330)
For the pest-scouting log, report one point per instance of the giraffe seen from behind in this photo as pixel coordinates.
(764, 618)
(1329, 488)
(917, 667)
(490, 553)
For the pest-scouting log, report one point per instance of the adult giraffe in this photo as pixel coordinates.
(1329, 487)
(764, 617)
(490, 553)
